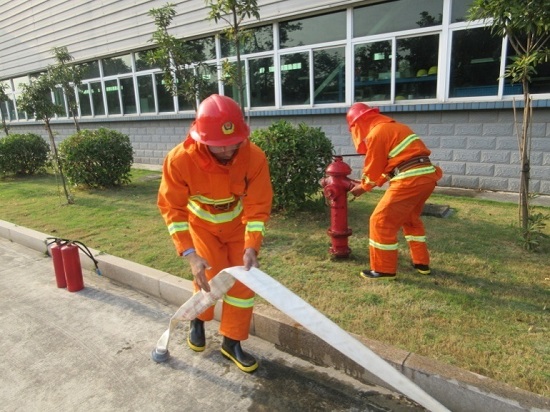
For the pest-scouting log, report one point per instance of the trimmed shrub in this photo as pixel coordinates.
(97, 158)
(23, 154)
(298, 156)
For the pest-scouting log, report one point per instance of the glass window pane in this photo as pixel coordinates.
(97, 99)
(146, 94)
(394, 16)
(90, 70)
(210, 74)
(117, 65)
(165, 99)
(416, 76)
(17, 82)
(295, 78)
(262, 82)
(113, 102)
(459, 10)
(11, 110)
(255, 40)
(205, 46)
(231, 89)
(4, 110)
(84, 100)
(373, 71)
(475, 63)
(540, 81)
(128, 95)
(329, 75)
(58, 99)
(311, 30)
(142, 62)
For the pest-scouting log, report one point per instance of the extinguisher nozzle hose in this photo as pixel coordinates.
(81, 246)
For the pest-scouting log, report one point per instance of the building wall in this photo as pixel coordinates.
(476, 149)
(91, 28)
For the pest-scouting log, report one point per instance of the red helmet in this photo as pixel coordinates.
(357, 110)
(219, 122)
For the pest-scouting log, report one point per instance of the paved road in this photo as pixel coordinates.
(90, 351)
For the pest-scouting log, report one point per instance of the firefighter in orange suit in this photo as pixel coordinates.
(215, 197)
(394, 154)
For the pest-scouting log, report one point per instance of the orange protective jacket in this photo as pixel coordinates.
(388, 144)
(196, 189)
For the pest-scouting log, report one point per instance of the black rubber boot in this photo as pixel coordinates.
(232, 350)
(196, 339)
(422, 269)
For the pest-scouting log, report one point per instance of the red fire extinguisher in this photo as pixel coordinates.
(71, 265)
(55, 251)
(335, 188)
(66, 262)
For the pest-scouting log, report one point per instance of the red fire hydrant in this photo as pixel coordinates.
(335, 188)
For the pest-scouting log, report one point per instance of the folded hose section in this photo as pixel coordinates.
(303, 313)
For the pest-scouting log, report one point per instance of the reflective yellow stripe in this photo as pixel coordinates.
(239, 303)
(415, 172)
(382, 246)
(209, 217)
(411, 238)
(177, 227)
(401, 146)
(256, 227)
(208, 201)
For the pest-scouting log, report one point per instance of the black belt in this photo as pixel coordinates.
(409, 164)
(225, 206)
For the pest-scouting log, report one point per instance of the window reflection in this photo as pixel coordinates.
(97, 99)
(394, 16)
(540, 79)
(330, 76)
(60, 101)
(113, 101)
(128, 96)
(165, 99)
(117, 65)
(416, 76)
(262, 82)
(373, 71)
(459, 10)
(475, 63)
(311, 30)
(90, 70)
(84, 100)
(295, 78)
(146, 94)
(254, 40)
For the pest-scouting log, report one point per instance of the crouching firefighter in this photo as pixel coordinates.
(394, 154)
(215, 197)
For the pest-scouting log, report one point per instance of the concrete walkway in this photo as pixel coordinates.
(457, 389)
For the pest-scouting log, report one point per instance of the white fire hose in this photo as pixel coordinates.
(303, 313)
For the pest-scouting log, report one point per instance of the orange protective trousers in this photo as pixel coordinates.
(222, 249)
(399, 208)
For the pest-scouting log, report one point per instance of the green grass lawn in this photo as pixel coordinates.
(484, 309)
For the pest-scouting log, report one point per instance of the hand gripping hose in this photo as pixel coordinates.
(306, 315)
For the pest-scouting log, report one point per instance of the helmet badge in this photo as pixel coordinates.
(228, 128)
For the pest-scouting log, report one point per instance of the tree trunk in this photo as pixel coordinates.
(239, 66)
(525, 148)
(5, 126)
(69, 198)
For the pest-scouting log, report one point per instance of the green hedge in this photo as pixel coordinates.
(23, 154)
(97, 158)
(298, 156)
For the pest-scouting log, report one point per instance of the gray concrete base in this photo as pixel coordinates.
(457, 389)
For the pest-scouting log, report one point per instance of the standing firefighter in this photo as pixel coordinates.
(394, 153)
(215, 197)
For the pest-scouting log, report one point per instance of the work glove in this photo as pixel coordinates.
(198, 268)
(250, 259)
